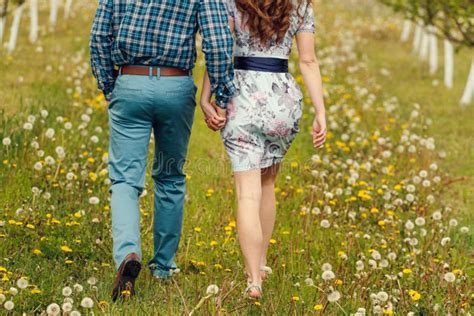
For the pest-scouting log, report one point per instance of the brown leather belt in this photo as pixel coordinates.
(153, 71)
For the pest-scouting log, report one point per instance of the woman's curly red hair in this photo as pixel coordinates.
(267, 19)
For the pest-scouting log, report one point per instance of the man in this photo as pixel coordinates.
(151, 43)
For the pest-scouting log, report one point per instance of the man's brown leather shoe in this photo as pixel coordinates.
(124, 285)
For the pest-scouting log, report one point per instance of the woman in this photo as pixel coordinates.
(262, 119)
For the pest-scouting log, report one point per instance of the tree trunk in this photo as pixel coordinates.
(3, 18)
(448, 64)
(425, 44)
(17, 13)
(469, 90)
(417, 38)
(406, 31)
(67, 9)
(53, 14)
(433, 39)
(33, 21)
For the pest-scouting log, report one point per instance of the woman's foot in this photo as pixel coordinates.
(254, 291)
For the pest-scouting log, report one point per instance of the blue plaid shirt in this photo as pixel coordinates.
(162, 33)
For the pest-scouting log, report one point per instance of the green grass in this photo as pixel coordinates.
(364, 218)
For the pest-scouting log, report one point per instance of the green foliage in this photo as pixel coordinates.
(453, 18)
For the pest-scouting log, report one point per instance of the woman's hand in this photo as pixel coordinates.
(215, 117)
(319, 130)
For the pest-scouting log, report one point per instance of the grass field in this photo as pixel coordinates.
(386, 205)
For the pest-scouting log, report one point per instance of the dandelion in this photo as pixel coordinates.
(94, 200)
(445, 241)
(318, 307)
(53, 309)
(382, 296)
(6, 141)
(2, 298)
(22, 283)
(67, 291)
(13, 291)
(328, 275)
(75, 313)
(78, 288)
(437, 216)
(450, 277)
(38, 166)
(464, 229)
(67, 307)
(28, 126)
(9, 305)
(420, 221)
(334, 296)
(326, 267)
(92, 281)
(49, 133)
(309, 282)
(453, 222)
(415, 296)
(409, 225)
(87, 302)
(325, 223)
(212, 289)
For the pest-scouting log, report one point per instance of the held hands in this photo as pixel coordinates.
(319, 130)
(215, 117)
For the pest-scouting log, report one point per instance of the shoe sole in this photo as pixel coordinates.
(127, 280)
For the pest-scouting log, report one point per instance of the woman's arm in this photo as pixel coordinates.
(309, 67)
(215, 116)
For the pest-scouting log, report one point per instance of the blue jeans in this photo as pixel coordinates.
(139, 105)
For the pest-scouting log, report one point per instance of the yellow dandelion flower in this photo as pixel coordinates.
(93, 176)
(318, 307)
(3, 269)
(273, 241)
(374, 210)
(381, 223)
(197, 229)
(338, 282)
(295, 298)
(66, 249)
(218, 266)
(233, 224)
(35, 291)
(407, 271)
(294, 164)
(37, 252)
(77, 215)
(415, 296)
(214, 243)
(68, 261)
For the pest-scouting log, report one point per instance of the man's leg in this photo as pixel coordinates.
(172, 129)
(130, 128)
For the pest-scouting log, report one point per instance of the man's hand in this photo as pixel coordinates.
(214, 116)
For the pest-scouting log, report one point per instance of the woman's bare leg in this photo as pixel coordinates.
(249, 229)
(267, 209)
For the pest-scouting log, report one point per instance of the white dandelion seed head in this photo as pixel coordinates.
(49, 133)
(68, 125)
(416, 179)
(31, 119)
(28, 126)
(94, 139)
(92, 281)
(6, 141)
(420, 221)
(67, 307)
(445, 241)
(78, 288)
(382, 296)
(426, 183)
(464, 229)
(94, 200)
(423, 173)
(325, 223)
(309, 282)
(359, 265)
(376, 255)
(410, 197)
(67, 291)
(87, 302)
(53, 309)
(437, 216)
(9, 305)
(44, 113)
(450, 277)
(334, 296)
(409, 225)
(453, 222)
(326, 266)
(212, 289)
(13, 291)
(75, 313)
(2, 298)
(328, 275)
(22, 283)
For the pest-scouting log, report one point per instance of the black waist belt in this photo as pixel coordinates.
(265, 64)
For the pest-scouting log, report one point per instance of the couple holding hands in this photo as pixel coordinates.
(142, 54)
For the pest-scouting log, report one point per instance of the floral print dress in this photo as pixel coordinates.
(263, 117)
